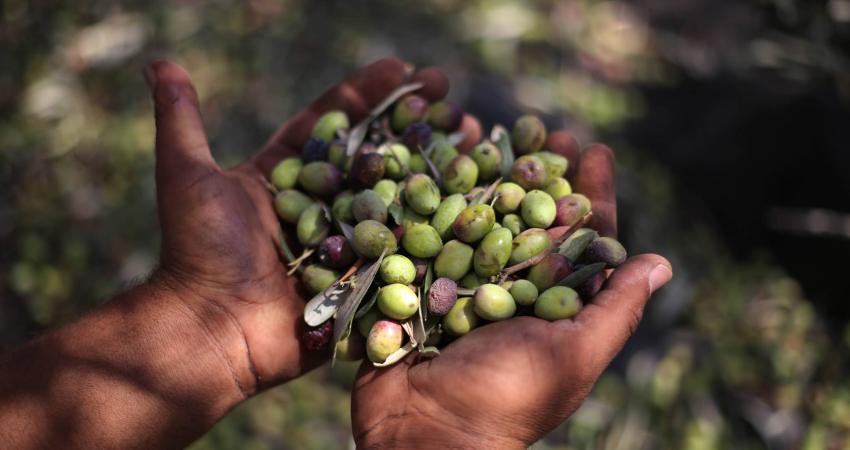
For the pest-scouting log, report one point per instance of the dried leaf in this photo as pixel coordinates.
(358, 133)
(408, 327)
(347, 230)
(581, 275)
(345, 313)
(574, 246)
(369, 303)
(500, 137)
(430, 351)
(396, 356)
(325, 304)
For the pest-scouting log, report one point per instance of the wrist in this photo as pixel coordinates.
(425, 433)
(223, 348)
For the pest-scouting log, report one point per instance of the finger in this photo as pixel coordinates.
(565, 144)
(595, 179)
(471, 128)
(612, 318)
(182, 152)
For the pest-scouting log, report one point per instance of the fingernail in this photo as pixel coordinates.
(150, 76)
(659, 276)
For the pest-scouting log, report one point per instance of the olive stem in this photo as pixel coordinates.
(297, 262)
(539, 257)
(353, 269)
(431, 165)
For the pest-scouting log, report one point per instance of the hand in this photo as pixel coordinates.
(220, 232)
(507, 384)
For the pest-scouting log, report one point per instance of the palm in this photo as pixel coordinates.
(221, 233)
(508, 383)
(483, 381)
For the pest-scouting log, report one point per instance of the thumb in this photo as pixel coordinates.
(182, 153)
(612, 317)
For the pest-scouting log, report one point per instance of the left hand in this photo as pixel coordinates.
(220, 232)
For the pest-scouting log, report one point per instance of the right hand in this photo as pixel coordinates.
(509, 383)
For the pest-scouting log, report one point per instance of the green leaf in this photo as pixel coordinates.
(328, 213)
(397, 212)
(465, 292)
(419, 333)
(574, 246)
(396, 356)
(369, 303)
(426, 155)
(345, 312)
(358, 133)
(347, 230)
(284, 247)
(428, 279)
(581, 275)
(500, 137)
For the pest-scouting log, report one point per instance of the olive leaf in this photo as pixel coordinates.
(347, 230)
(323, 305)
(465, 292)
(409, 327)
(369, 303)
(284, 247)
(499, 136)
(419, 333)
(397, 212)
(574, 246)
(484, 196)
(581, 275)
(396, 356)
(328, 214)
(430, 351)
(358, 133)
(456, 138)
(345, 312)
(426, 155)
(428, 279)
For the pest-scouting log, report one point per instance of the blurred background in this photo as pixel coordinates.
(730, 121)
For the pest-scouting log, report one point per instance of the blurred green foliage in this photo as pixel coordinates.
(732, 354)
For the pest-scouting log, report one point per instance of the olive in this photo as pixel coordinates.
(454, 260)
(493, 252)
(538, 209)
(493, 302)
(559, 302)
(289, 204)
(285, 173)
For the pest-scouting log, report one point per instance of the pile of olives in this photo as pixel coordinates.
(465, 238)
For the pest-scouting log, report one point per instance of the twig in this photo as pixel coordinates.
(297, 262)
(540, 256)
(353, 269)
